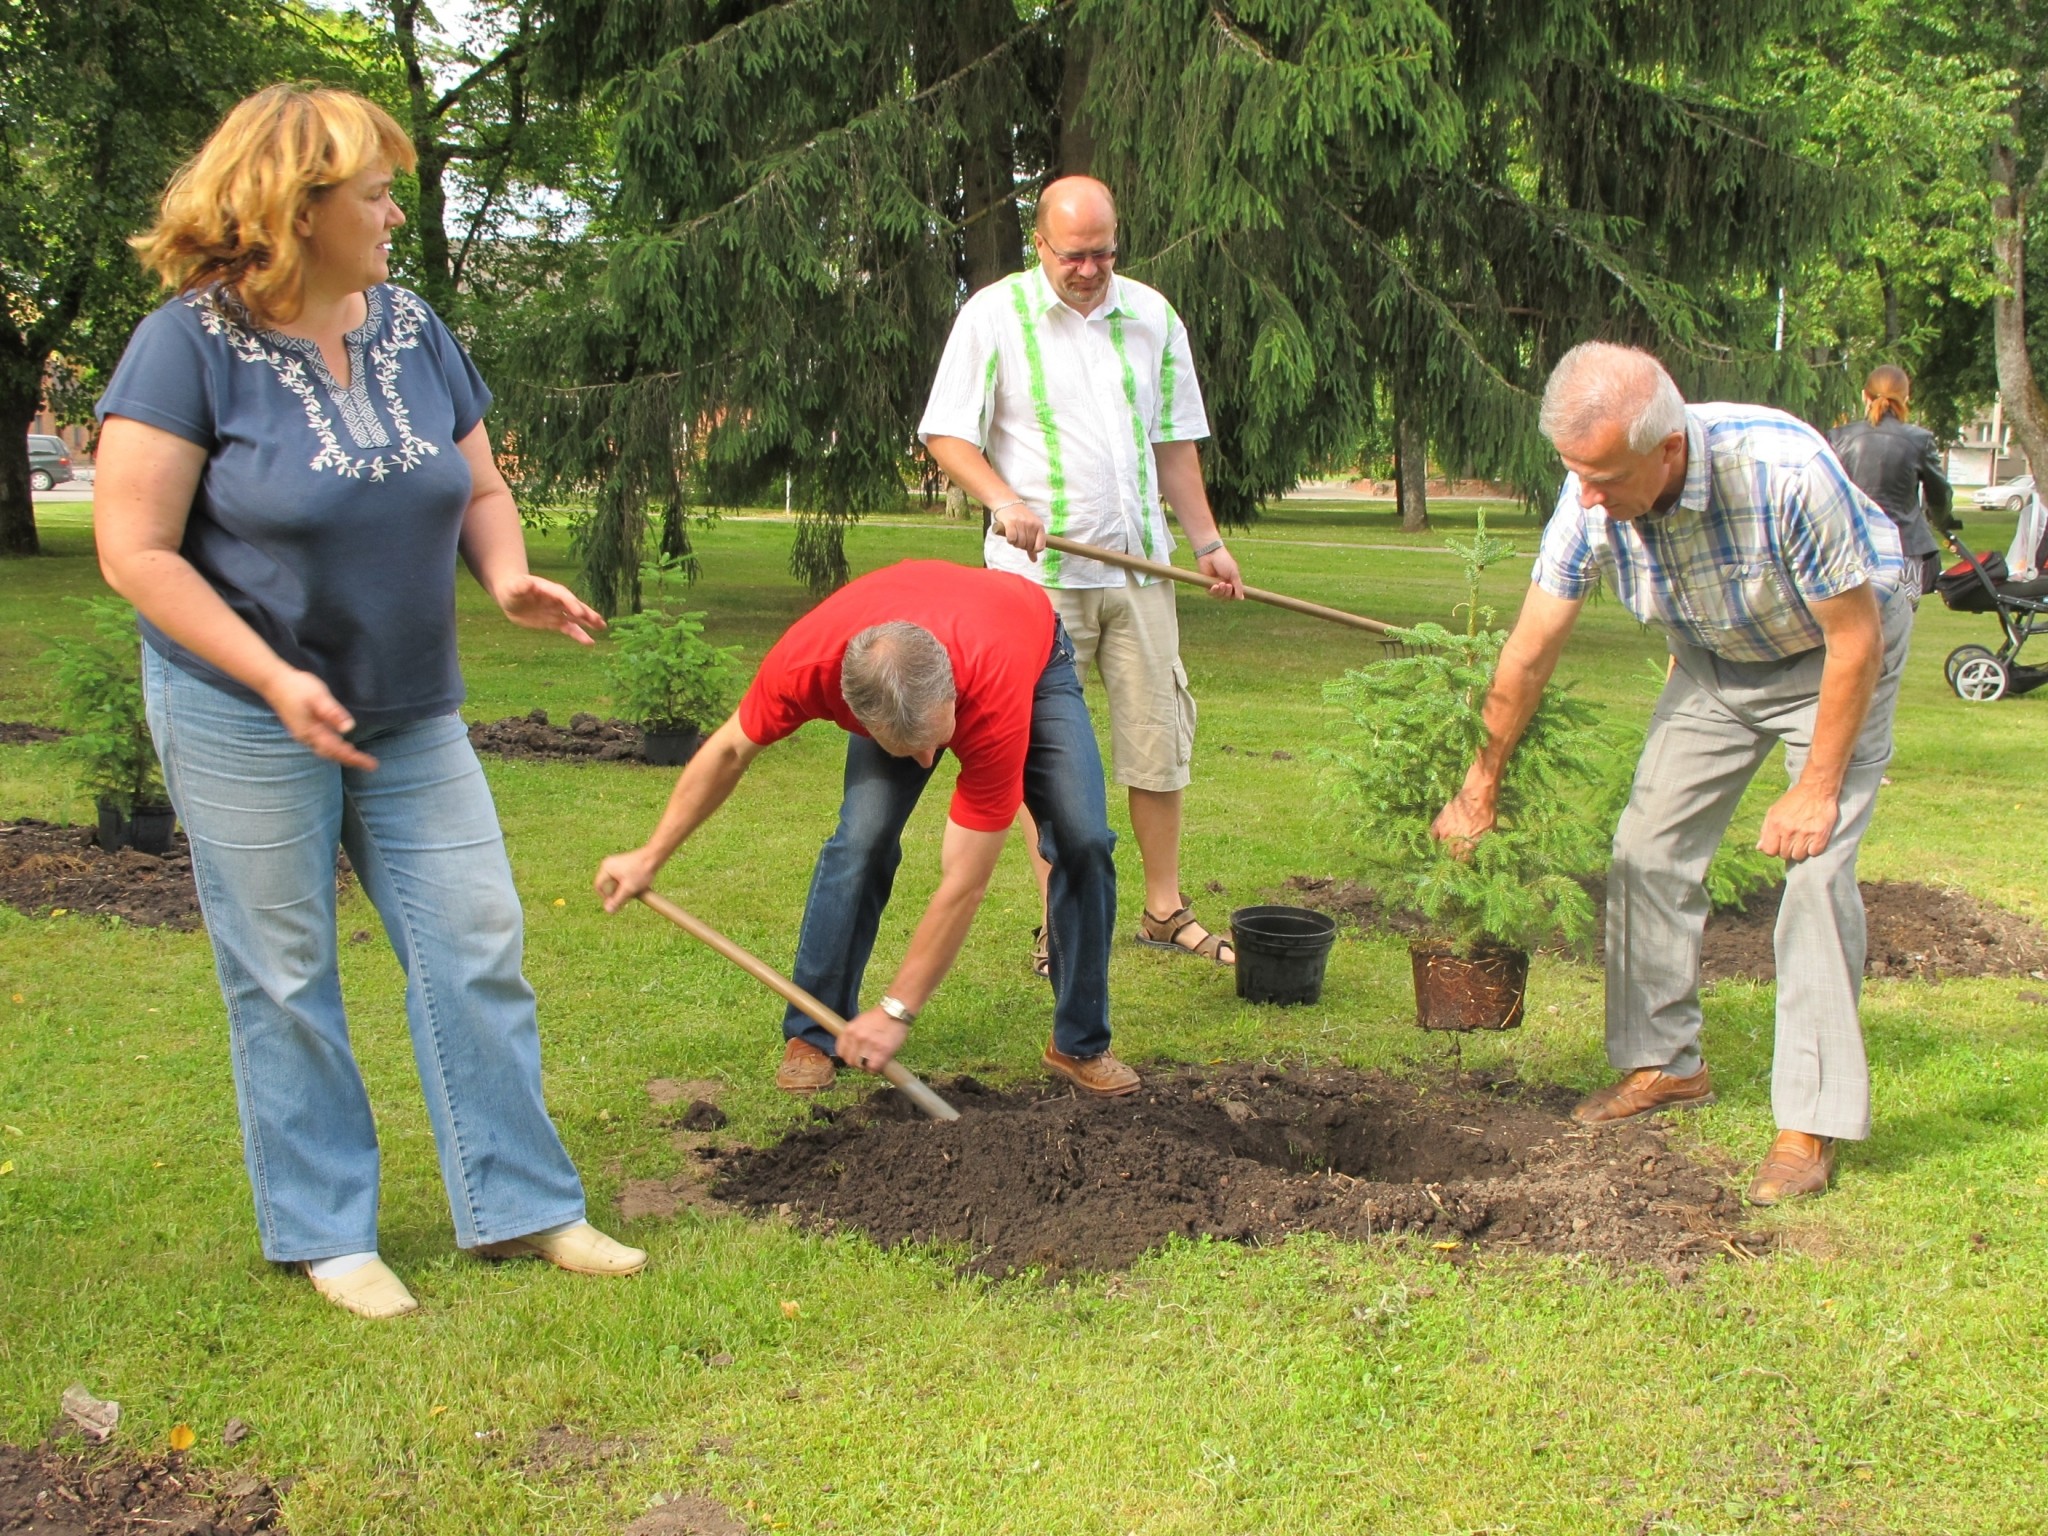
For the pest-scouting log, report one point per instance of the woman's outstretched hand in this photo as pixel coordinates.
(534, 602)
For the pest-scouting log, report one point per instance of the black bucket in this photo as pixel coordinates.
(1281, 953)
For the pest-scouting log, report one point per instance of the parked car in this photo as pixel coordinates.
(49, 461)
(2011, 496)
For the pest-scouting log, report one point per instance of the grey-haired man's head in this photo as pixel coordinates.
(1618, 423)
(898, 681)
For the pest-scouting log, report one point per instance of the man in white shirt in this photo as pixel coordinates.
(1066, 403)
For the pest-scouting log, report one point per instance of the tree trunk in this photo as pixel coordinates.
(1411, 474)
(423, 128)
(21, 392)
(2018, 388)
(1076, 138)
(994, 236)
(950, 38)
(1889, 286)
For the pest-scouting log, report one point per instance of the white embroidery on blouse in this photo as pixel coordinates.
(220, 316)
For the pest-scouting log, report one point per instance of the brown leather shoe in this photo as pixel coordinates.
(1104, 1076)
(804, 1069)
(1799, 1164)
(1643, 1090)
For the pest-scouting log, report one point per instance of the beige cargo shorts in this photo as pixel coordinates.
(1132, 636)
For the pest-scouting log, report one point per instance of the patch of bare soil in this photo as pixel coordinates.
(1041, 1178)
(689, 1188)
(689, 1514)
(1921, 932)
(45, 867)
(19, 733)
(533, 738)
(97, 1495)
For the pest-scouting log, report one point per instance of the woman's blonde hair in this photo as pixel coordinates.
(1886, 390)
(228, 215)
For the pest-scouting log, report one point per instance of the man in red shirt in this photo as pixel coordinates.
(910, 661)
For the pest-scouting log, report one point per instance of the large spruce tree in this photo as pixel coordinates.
(1357, 205)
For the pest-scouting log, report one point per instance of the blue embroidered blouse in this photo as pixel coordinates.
(327, 517)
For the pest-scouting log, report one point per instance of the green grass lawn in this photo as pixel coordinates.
(1885, 1371)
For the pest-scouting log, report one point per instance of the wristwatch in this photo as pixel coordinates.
(1203, 551)
(898, 1010)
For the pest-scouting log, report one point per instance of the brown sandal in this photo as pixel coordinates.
(1041, 954)
(1165, 932)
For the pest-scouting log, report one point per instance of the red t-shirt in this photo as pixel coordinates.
(996, 628)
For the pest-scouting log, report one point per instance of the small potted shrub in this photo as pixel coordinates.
(1412, 728)
(99, 700)
(668, 680)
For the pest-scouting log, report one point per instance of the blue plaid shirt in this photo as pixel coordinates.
(1768, 522)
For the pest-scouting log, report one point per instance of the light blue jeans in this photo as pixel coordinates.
(264, 815)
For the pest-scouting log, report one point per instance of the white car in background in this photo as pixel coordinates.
(2010, 496)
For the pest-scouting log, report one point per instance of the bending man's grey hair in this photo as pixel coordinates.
(895, 678)
(1598, 382)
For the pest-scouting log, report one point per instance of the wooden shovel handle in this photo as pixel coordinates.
(914, 1087)
(1197, 579)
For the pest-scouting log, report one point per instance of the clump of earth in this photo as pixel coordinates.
(44, 1491)
(533, 737)
(46, 867)
(1043, 1179)
(22, 733)
(1919, 932)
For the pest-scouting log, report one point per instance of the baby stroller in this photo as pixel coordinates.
(1978, 585)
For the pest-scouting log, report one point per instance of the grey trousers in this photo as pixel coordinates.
(1714, 725)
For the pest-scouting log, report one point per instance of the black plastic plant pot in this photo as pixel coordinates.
(670, 748)
(1481, 990)
(147, 829)
(1282, 953)
(113, 826)
(150, 829)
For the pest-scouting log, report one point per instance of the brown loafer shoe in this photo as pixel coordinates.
(1799, 1164)
(1104, 1076)
(804, 1069)
(1643, 1090)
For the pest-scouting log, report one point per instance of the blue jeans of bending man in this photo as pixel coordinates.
(264, 815)
(1063, 787)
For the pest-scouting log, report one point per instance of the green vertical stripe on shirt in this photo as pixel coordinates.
(1116, 337)
(1041, 403)
(1166, 379)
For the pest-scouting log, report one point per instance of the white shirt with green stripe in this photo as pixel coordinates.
(1067, 407)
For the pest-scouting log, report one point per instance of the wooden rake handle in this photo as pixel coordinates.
(913, 1086)
(1197, 579)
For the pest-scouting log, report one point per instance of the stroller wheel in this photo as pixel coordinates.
(1981, 679)
(1958, 656)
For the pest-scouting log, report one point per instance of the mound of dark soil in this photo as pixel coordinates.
(1921, 932)
(44, 867)
(52, 1495)
(19, 733)
(1042, 1178)
(531, 737)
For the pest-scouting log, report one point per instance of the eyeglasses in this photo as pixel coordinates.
(1103, 258)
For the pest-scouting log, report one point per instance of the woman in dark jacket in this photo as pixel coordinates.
(1898, 466)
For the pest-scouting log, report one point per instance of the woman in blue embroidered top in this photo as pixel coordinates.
(293, 456)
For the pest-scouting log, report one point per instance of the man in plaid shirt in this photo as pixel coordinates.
(1778, 585)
